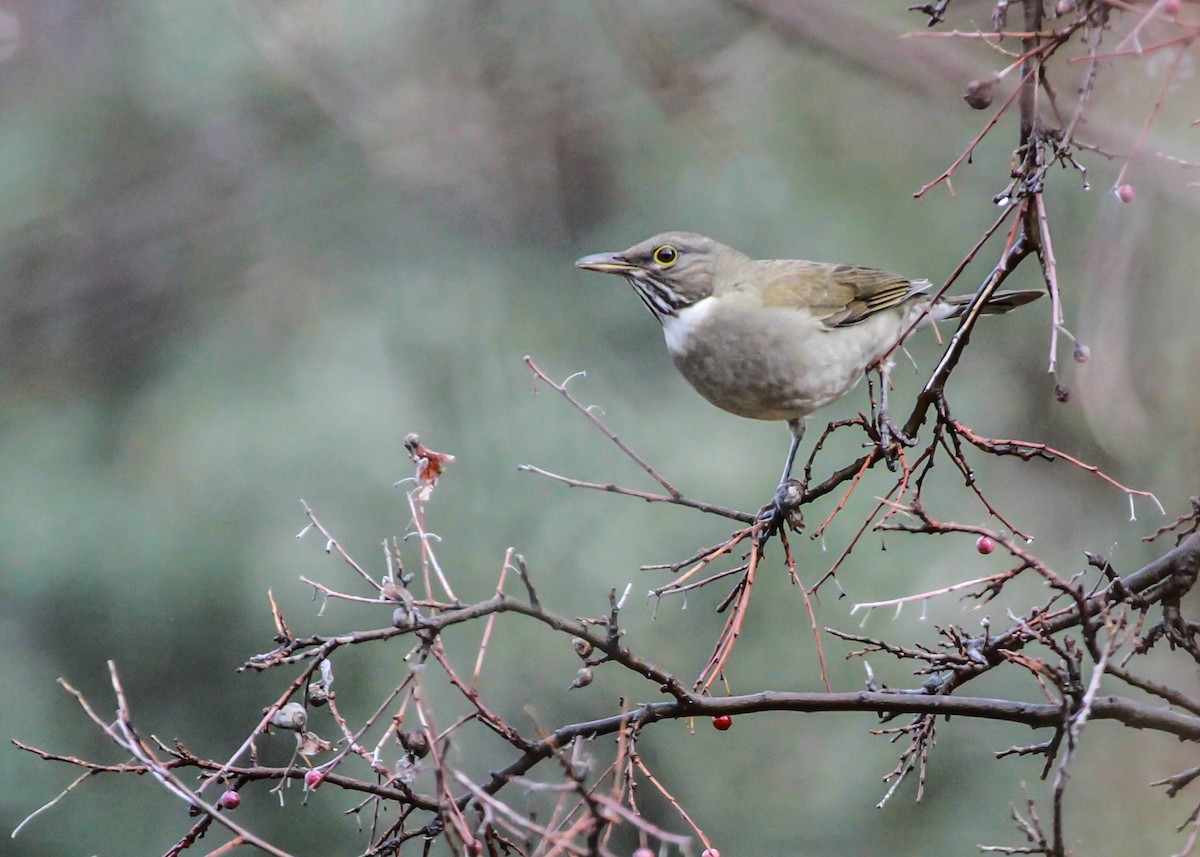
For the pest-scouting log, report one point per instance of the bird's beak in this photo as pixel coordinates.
(605, 263)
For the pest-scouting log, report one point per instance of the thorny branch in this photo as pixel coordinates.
(599, 642)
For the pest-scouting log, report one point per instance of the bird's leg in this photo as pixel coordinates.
(796, 426)
(888, 430)
(786, 506)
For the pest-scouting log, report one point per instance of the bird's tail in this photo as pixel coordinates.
(1000, 302)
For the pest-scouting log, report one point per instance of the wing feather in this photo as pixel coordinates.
(839, 295)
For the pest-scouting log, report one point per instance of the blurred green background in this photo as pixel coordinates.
(246, 246)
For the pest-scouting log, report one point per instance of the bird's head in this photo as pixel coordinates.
(669, 272)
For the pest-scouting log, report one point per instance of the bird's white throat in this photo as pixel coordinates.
(678, 328)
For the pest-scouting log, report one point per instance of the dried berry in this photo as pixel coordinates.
(1082, 353)
(318, 694)
(402, 618)
(416, 742)
(981, 91)
(1125, 193)
(292, 716)
(229, 799)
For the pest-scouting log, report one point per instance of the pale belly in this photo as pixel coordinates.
(774, 364)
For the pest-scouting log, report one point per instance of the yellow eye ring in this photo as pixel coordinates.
(666, 255)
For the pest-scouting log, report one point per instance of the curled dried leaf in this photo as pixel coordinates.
(310, 743)
(430, 463)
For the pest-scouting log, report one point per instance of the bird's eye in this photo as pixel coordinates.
(666, 255)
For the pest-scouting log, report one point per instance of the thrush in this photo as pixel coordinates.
(776, 339)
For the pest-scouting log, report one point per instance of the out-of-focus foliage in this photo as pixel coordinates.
(246, 246)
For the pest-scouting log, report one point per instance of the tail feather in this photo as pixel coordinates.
(1000, 302)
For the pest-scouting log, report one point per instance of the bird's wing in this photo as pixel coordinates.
(839, 295)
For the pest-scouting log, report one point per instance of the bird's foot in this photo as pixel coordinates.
(891, 439)
(785, 508)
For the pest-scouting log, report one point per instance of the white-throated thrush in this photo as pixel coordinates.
(775, 339)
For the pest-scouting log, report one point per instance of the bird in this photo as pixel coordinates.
(776, 339)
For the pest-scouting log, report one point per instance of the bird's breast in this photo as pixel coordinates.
(772, 363)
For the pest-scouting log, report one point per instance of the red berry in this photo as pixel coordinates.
(1125, 193)
(985, 545)
(312, 779)
(1082, 353)
(643, 852)
(1171, 7)
(722, 722)
(710, 852)
(229, 799)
